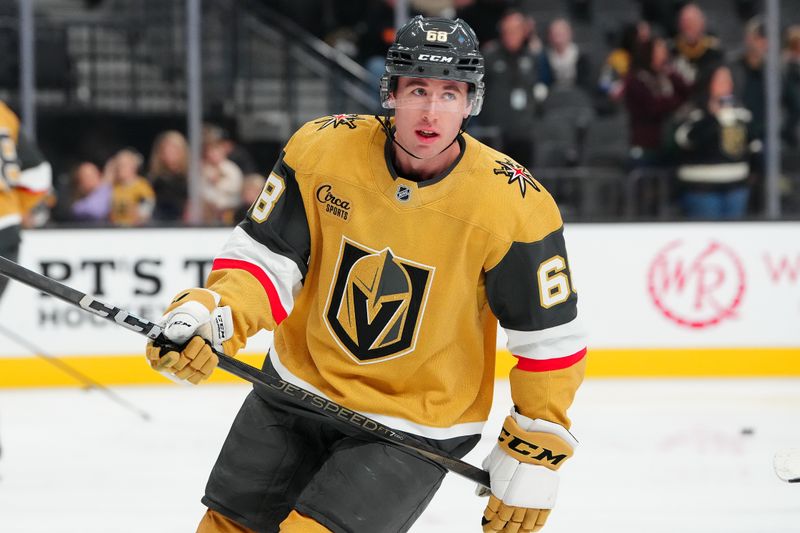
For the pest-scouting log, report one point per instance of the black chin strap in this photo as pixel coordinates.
(386, 123)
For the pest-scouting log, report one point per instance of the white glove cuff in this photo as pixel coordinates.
(221, 326)
(216, 329)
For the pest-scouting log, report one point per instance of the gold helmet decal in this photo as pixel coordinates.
(376, 302)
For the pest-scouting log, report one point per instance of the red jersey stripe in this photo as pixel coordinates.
(26, 190)
(543, 365)
(278, 311)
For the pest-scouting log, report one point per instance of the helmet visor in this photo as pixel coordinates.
(443, 96)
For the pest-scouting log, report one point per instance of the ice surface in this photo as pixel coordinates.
(656, 456)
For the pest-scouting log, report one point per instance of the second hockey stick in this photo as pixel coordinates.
(88, 382)
(284, 392)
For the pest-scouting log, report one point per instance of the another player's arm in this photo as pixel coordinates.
(530, 291)
(23, 168)
(252, 284)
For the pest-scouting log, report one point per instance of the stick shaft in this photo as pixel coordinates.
(282, 390)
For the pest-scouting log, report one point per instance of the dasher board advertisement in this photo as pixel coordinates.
(656, 299)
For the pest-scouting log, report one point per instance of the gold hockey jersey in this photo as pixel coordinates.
(383, 292)
(24, 177)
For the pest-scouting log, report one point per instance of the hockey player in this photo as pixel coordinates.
(380, 252)
(25, 177)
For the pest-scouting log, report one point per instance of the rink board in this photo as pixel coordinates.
(673, 299)
(132, 369)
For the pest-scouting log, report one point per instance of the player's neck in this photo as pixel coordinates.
(408, 167)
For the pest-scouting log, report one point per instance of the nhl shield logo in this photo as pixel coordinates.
(403, 193)
(376, 302)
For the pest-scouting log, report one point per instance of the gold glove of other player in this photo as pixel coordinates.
(193, 316)
(522, 472)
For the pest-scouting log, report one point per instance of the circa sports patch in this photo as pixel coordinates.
(518, 174)
(332, 202)
(342, 119)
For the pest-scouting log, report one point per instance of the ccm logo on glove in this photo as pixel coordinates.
(533, 452)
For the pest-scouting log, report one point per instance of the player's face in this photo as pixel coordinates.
(428, 113)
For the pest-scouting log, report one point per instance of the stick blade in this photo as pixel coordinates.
(787, 465)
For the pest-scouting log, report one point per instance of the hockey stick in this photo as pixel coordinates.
(88, 382)
(280, 389)
(787, 465)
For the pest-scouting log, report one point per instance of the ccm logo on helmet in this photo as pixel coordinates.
(438, 59)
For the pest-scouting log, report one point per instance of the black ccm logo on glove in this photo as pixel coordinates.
(525, 448)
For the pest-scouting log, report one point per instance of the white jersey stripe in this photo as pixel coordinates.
(36, 179)
(10, 220)
(282, 271)
(407, 426)
(551, 343)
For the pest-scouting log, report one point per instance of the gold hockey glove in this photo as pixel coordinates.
(522, 472)
(193, 316)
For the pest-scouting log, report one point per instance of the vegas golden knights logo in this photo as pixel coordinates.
(376, 303)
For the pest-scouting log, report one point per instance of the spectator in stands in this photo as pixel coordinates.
(168, 170)
(653, 91)
(482, 15)
(714, 151)
(251, 189)
(514, 73)
(535, 44)
(221, 184)
(236, 153)
(748, 71)
(567, 66)
(132, 197)
(611, 83)
(791, 89)
(695, 51)
(748, 76)
(91, 200)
